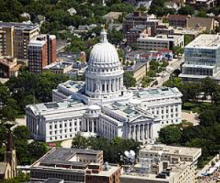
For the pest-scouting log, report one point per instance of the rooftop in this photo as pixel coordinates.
(65, 156)
(135, 67)
(72, 86)
(177, 17)
(37, 43)
(205, 41)
(156, 92)
(112, 15)
(51, 106)
(19, 26)
(175, 150)
(128, 111)
(59, 65)
(106, 173)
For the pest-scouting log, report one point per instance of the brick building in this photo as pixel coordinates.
(41, 52)
(133, 19)
(177, 20)
(74, 165)
(135, 32)
(14, 38)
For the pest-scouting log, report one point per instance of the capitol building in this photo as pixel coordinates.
(103, 106)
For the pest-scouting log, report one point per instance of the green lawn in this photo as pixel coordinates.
(195, 106)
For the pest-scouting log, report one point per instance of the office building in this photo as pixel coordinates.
(74, 166)
(202, 58)
(134, 19)
(134, 33)
(163, 164)
(9, 67)
(37, 55)
(102, 106)
(160, 42)
(41, 52)
(14, 39)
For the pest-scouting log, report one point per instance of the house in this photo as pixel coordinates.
(111, 16)
(72, 11)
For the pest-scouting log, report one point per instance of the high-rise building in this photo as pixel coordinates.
(41, 52)
(14, 38)
(37, 55)
(202, 58)
(160, 41)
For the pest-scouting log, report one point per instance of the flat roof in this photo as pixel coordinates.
(17, 25)
(156, 92)
(59, 65)
(37, 43)
(128, 111)
(106, 173)
(135, 67)
(205, 41)
(63, 156)
(51, 106)
(176, 150)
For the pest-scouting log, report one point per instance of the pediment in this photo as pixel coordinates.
(142, 118)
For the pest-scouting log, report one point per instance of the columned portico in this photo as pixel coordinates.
(141, 132)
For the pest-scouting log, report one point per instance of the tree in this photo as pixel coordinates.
(207, 118)
(177, 50)
(79, 142)
(170, 135)
(187, 39)
(129, 81)
(186, 10)
(21, 132)
(142, 8)
(36, 150)
(202, 13)
(115, 37)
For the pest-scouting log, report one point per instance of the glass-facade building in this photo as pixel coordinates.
(202, 59)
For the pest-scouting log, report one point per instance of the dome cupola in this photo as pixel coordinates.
(104, 75)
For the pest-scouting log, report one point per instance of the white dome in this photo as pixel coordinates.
(103, 53)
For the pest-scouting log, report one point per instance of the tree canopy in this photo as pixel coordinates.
(112, 149)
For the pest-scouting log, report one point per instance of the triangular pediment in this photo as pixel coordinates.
(141, 118)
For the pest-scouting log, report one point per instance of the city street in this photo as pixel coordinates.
(173, 65)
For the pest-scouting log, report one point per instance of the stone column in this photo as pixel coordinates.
(106, 87)
(93, 127)
(129, 132)
(87, 121)
(134, 132)
(113, 85)
(138, 132)
(142, 132)
(148, 130)
(110, 86)
(151, 131)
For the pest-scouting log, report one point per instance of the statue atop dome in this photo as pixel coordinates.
(103, 35)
